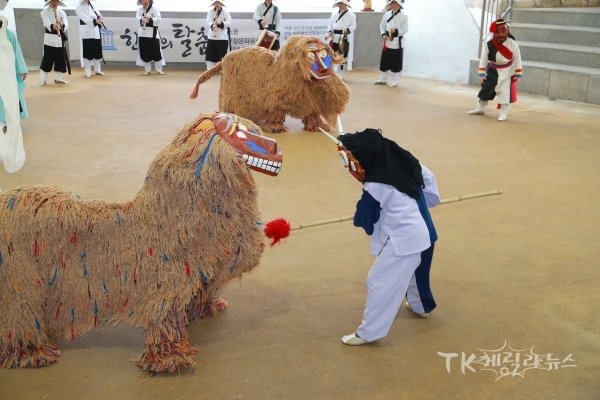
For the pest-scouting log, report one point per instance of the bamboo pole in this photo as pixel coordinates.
(445, 201)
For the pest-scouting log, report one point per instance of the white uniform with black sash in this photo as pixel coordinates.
(218, 40)
(90, 43)
(391, 56)
(55, 56)
(339, 21)
(271, 15)
(149, 39)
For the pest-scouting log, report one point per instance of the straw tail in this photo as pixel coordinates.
(206, 76)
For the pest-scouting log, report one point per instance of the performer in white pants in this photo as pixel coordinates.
(500, 70)
(90, 21)
(397, 191)
(55, 53)
(149, 50)
(342, 24)
(394, 25)
(387, 284)
(219, 21)
(267, 16)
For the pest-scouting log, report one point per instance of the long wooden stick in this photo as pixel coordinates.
(445, 201)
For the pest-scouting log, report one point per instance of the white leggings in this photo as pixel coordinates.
(157, 66)
(387, 284)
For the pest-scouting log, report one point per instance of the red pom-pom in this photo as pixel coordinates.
(277, 229)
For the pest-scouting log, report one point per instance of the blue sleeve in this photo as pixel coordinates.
(367, 212)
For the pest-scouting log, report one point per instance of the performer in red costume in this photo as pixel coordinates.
(500, 70)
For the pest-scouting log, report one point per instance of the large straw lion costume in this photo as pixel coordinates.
(299, 81)
(157, 261)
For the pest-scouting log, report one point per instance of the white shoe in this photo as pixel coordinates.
(353, 340)
(42, 83)
(423, 315)
(379, 82)
(100, 73)
(88, 76)
(503, 112)
(147, 73)
(477, 111)
(481, 107)
(60, 81)
(393, 84)
(160, 72)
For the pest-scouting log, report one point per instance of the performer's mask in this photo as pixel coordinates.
(320, 61)
(260, 153)
(352, 164)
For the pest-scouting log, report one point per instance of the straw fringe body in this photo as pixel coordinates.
(69, 265)
(264, 85)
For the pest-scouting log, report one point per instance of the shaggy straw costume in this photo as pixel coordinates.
(157, 261)
(298, 81)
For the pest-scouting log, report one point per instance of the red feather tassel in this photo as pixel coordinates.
(277, 229)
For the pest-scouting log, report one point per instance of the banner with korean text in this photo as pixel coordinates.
(184, 40)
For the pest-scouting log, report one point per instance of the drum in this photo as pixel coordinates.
(266, 39)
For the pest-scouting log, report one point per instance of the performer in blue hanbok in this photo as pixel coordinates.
(12, 103)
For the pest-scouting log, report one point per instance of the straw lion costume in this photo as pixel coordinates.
(298, 81)
(157, 261)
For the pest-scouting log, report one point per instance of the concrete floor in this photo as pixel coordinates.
(521, 267)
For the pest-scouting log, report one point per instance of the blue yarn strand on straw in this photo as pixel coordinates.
(203, 157)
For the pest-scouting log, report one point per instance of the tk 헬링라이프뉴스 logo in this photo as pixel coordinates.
(507, 361)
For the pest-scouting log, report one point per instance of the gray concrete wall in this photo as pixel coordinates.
(367, 39)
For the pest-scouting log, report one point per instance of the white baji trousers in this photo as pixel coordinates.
(387, 284)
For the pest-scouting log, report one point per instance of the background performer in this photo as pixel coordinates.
(55, 52)
(90, 22)
(149, 37)
(20, 71)
(341, 24)
(12, 152)
(394, 24)
(219, 21)
(267, 16)
(500, 70)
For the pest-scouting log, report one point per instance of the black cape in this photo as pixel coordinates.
(384, 161)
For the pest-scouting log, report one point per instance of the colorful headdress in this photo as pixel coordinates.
(494, 25)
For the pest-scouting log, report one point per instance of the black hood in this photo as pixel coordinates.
(384, 161)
